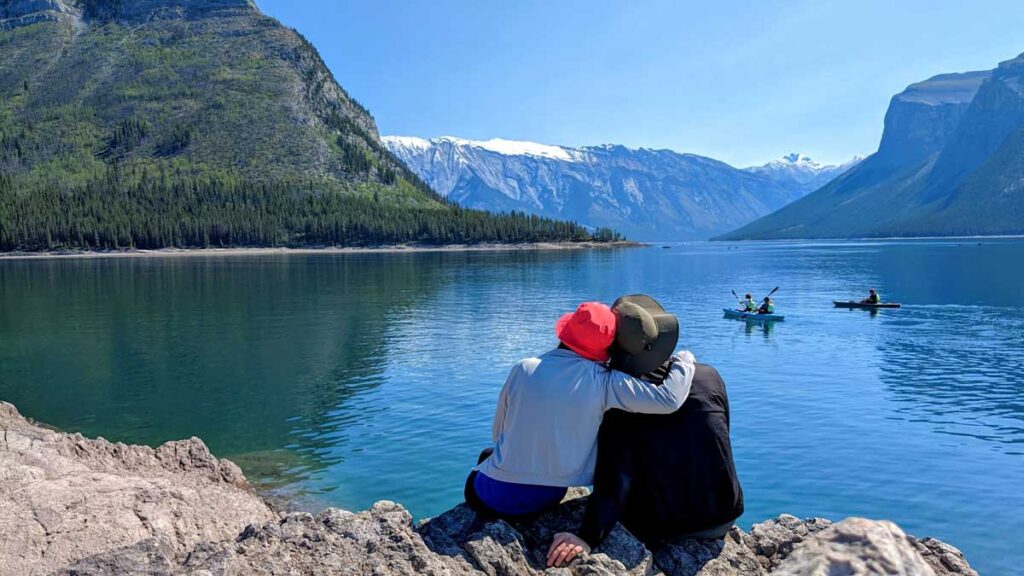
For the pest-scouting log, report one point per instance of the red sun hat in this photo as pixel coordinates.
(589, 331)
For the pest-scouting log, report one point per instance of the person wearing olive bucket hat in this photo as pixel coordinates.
(646, 334)
(662, 476)
(549, 411)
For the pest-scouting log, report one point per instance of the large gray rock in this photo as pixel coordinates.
(943, 558)
(734, 554)
(64, 497)
(379, 541)
(77, 507)
(856, 547)
(775, 539)
(498, 548)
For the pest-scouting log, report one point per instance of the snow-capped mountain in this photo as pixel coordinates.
(645, 194)
(799, 171)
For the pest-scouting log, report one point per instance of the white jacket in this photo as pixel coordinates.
(550, 409)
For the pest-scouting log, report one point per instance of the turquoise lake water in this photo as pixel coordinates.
(345, 379)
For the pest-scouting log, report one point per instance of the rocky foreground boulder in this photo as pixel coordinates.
(64, 497)
(74, 506)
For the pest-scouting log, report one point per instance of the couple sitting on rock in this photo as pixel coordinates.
(612, 407)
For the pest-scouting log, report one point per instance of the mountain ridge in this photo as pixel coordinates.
(646, 193)
(802, 172)
(948, 164)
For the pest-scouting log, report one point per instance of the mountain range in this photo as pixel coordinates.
(950, 162)
(644, 193)
(154, 123)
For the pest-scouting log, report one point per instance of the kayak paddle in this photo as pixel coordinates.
(737, 297)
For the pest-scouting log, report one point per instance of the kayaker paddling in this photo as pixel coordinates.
(748, 304)
(767, 306)
(872, 302)
(873, 297)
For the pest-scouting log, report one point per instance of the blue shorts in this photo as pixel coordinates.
(516, 499)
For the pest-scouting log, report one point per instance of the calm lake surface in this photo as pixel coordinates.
(345, 379)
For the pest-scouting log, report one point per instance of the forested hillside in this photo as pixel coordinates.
(152, 123)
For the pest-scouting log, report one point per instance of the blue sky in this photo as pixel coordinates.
(742, 81)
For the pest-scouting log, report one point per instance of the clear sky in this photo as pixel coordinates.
(744, 81)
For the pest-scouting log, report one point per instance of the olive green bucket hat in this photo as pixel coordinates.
(645, 337)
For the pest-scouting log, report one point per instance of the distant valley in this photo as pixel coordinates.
(643, 193)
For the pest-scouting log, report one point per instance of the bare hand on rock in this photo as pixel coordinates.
(565, 547)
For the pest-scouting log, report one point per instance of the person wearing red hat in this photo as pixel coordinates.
(549, 411)
(589, 331)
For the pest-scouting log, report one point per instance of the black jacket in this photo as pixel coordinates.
(666, 475)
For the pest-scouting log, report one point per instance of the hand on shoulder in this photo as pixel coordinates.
(684, 357)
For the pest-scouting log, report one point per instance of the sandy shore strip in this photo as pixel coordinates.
(399, 248)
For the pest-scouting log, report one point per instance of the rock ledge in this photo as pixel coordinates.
(77, 506)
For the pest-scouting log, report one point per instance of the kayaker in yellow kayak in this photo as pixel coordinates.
(873, 297)
(767, 307)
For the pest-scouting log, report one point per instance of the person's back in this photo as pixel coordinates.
(666, 476)
(549, 411)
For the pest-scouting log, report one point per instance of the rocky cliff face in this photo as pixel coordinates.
(996, 112)
(74, 506)
(24, 12)
(17, 13)
(949, 164)
(923, 117)
(645, 194)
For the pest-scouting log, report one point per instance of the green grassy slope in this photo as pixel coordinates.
(235, 92)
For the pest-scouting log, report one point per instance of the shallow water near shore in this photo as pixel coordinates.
(342, 379)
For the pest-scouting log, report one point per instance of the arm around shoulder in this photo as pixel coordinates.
(634, 395)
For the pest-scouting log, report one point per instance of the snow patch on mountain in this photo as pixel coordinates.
(496, 145)
(800, 170)
(406, 142)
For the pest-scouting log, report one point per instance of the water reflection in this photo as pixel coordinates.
(255, 355)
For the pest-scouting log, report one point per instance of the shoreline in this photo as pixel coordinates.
(287, 251)
(874, 238)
